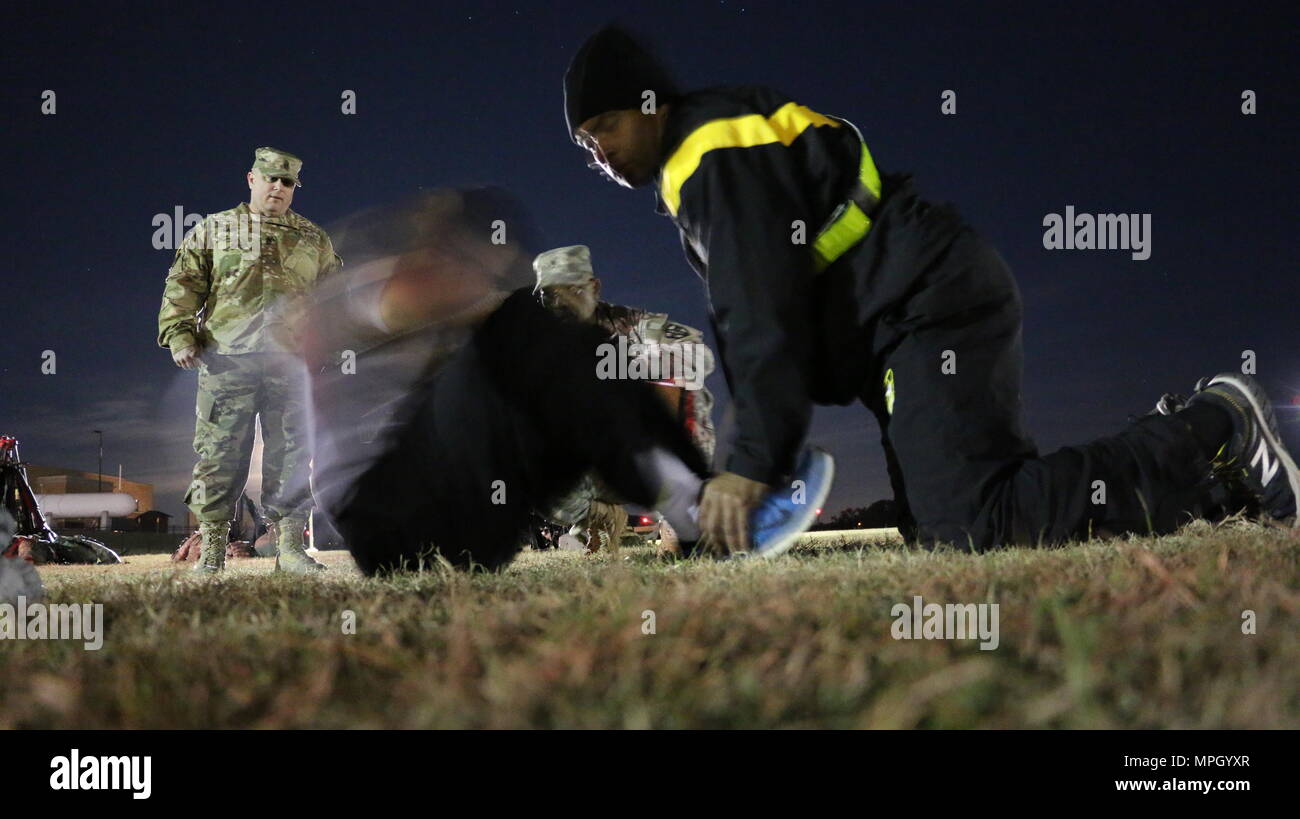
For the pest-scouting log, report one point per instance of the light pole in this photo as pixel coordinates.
(99, 476)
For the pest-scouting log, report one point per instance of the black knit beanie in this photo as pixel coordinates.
(611, 72)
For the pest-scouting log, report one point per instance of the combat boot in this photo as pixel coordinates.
(290, 554)
(214, 537)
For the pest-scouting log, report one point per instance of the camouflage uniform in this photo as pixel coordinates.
(241, 303)
(591, 506)
(695, 409)
(645, 328)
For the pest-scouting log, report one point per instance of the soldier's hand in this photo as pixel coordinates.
(725, 505)
(186, 359)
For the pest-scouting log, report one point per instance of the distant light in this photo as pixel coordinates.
(645, 520)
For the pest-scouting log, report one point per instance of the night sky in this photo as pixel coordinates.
(1106, 107)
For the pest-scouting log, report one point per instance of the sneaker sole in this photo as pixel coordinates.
(784, 544)
(1266, 432)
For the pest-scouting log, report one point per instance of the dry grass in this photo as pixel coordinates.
(1142, 633)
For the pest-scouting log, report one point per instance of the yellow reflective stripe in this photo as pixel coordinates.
(784, 126)
(867, 172)
(850, 224)
(840, 235)
(889, 391)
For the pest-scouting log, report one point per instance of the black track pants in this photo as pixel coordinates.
(963, 468)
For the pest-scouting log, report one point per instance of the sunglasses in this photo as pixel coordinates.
(550, 296)
(283, 180)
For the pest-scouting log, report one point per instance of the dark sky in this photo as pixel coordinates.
(1107, 107)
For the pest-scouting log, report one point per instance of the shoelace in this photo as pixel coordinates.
(212, 548)
(1219, 463)
(212, 558)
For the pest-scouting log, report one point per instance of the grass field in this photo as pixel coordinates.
(1143, 633)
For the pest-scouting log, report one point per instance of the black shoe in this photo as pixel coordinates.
(1254, 456)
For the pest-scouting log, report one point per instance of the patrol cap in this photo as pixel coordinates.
(610, 72)
(274, 162)
(563, 265)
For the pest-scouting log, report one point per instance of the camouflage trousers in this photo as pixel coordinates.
(575, 508)
(234, 391)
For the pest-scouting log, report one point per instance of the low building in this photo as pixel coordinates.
(52, 480)
(153, 521)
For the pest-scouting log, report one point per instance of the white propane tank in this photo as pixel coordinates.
(86, 504)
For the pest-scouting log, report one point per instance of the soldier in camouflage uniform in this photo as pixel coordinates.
(566, 283)
(232, 307)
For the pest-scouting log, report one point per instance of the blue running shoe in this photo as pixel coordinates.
(777, 522)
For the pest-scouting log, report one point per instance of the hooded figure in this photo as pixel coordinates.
(448, 403)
